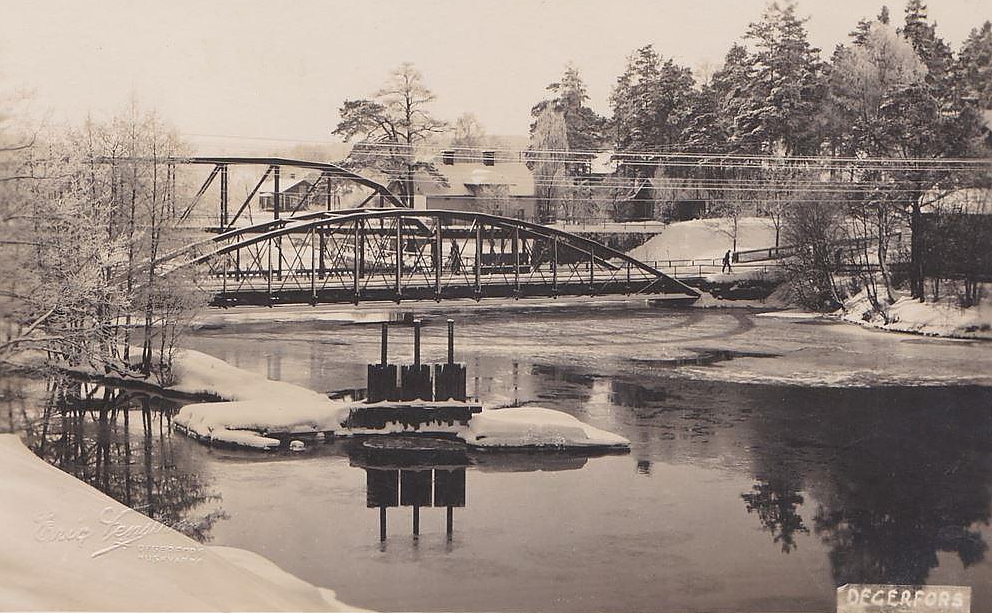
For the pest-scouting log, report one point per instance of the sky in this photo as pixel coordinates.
(280, 70)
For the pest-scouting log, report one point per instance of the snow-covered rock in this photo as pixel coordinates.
(254, 405)
(535, 427)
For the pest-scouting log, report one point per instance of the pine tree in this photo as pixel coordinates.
(651, 103)
(585, 128)
(932, 49)
(783, 98)
(973, 70)
(732, 85)
(389, 126)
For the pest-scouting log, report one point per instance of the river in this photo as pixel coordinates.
(772, 459)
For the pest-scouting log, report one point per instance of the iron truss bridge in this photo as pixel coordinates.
(394, 254)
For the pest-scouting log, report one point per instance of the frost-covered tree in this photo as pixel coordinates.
(388, 127)
(548, 159)
(97, 211)
(468, 132)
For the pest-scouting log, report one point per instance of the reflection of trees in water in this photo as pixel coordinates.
(777, 505)
(895, 503)
(900, 474)
(86, 431)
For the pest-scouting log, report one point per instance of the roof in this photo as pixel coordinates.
(972, 200)
(287, 181)
(603, 163)
(463, 177)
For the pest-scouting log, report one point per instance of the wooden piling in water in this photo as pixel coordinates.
(384, 344)
(416, 342)
(381, 380)
(449, 379)
(451, 341)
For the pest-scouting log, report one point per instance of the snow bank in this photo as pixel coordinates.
(68, 546)
(942, 318)
(705, 239)
(258, 405)
(535, 427)
(246, 422)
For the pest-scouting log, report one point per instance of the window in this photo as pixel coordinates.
(489, 158)
(447, 158)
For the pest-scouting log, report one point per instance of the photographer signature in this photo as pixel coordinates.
(115, 529)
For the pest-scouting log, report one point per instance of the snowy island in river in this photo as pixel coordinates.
(262, 414)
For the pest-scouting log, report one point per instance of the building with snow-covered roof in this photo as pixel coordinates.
(480, 182)
(293, 189)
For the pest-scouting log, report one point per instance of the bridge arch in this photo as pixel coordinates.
(399, 254)
(273, 166)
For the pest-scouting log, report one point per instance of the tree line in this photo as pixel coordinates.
(844, 149)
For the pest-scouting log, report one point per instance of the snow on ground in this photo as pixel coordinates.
(257, 407)
(943, 318)
(792, 315)
(743, 274)
(536, 427)
(708, 301)
(68, 546)
(705, 239)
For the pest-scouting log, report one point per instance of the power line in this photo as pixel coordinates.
(668, 151)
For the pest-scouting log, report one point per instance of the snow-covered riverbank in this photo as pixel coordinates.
(943, 318)
(68, 546)
(254, 408)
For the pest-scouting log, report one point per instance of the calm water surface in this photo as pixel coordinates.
(738, 494)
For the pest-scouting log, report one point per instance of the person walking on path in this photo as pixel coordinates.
(726, 262)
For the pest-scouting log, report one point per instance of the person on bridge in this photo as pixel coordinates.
(726, 262)
(456, 258)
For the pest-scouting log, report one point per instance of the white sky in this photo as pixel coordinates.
(281, 69)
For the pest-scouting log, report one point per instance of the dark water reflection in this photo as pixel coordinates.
(898, 474)
(119, 441)
(734, 497)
